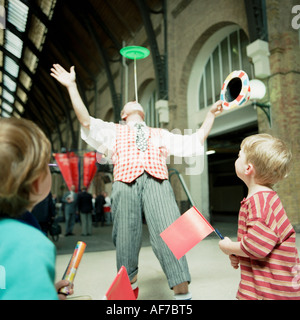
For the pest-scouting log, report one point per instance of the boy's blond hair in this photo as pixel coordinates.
(24, 156)
(270, 157)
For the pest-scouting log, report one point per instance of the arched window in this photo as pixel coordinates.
(228, 55)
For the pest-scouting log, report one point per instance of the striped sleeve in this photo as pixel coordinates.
(259, 241)
(261, 236)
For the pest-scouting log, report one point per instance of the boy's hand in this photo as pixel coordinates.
(234, 261)
(224, 245)
(232, 248)
(67, 79)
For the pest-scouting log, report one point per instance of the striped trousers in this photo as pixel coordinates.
(155, 198)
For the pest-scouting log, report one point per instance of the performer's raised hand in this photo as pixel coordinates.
(68, 79)
(62, 76)
(217, 108)
(206, 126)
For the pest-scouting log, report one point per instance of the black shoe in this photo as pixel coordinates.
(69, 234)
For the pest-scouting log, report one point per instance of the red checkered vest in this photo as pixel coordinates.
(130, 162)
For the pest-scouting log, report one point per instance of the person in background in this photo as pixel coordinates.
(107, 208)
(100, 202)
(70, 207)
(85, 208)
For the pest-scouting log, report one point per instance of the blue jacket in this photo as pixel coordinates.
(27, 261)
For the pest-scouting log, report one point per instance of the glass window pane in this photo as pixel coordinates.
(10, 84)
(6, 95)
(6, 107)
(13, 44)
(5, 114)
(224, 52)
(11, 67)
(151, 115)
(201, 95)
(17, 14)
(217, 79)
(209, 97)
(246, 65)
(234, 49)
(228, 56)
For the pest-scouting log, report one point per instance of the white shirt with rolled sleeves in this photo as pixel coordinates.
(102, 136)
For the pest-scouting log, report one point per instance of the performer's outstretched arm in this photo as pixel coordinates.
(68, 79)
(204, 130)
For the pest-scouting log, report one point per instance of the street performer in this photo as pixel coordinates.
(141, 184)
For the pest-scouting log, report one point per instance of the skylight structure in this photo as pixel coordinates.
(23, 32)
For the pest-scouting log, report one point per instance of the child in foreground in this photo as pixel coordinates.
(266, 244)
(27, 256)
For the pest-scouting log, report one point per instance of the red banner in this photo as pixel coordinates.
(89, 168)
(74, 162)
(68, 166)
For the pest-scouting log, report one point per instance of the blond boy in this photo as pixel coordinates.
(266, 248)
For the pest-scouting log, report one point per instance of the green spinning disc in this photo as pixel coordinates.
(135, 52)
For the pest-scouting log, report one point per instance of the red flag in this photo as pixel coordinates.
(186, 232)
(63, 163)
(121, 288)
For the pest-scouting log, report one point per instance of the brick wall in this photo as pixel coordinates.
(283, 86)
(190, 24)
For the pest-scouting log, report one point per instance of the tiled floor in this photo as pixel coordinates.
(212, 276)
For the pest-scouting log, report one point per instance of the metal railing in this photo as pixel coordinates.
(172, 172)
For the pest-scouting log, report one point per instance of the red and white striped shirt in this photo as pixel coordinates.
(272, 270)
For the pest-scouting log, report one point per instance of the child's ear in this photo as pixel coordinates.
(250, 169)
(36, 186)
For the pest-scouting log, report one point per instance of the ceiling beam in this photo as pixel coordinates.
(91, 10)
(116, 98)
(43, 96)
(124, 23)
